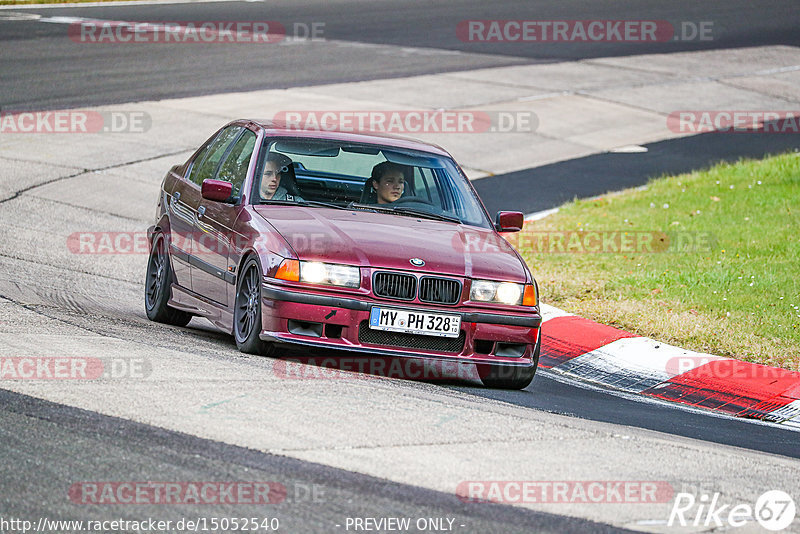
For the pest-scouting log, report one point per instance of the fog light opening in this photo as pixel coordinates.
(483, 346)
(510, 350)
(333, 331)
(304, 328)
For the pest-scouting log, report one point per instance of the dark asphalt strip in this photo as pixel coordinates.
(549, 186)
(48, 447)
(43, 69)
(729, 24)
(548, 394)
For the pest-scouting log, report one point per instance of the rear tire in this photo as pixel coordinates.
(506, 377)
(157, 287)
(247, 311)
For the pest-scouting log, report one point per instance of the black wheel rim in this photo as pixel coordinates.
(156, 271)
(247, 302)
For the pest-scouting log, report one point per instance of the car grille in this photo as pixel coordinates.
(369, 336)
(395, 286)
(439, 290)
(404, 287)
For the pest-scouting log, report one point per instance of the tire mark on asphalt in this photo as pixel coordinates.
(22, 191)
(63, 268)
(92, 210)
(154, 451)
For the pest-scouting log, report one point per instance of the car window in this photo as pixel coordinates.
(345, 163)
(234, 168)
(425, 185)
(207, 161)
(198, 160)
(335, 172)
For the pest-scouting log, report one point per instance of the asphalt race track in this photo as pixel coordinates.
(40, 71)
(369, 447)
(314, 493)
(599, 173)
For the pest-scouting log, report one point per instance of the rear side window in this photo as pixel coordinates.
(234, 168)
(425, 185)
(208, 159)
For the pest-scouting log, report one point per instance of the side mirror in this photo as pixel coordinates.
(509, 221)
(216, 190)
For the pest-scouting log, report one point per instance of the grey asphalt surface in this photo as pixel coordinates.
(58, 445)
(43, 69)
(64, 446)
(545, 187)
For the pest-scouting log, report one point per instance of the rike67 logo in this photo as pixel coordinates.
(774, 510)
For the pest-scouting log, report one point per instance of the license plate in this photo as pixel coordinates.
(414, 322)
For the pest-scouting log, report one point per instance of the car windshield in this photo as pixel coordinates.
(376, 178)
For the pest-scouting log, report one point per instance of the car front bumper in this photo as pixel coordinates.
(333, 322)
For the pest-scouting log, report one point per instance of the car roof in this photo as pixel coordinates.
(279, 129)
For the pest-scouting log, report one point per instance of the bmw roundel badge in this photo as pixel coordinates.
(416, 262)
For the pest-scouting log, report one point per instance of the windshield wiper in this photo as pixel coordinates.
(368, 207)
(280, 202)
(404, 210)
(428, 214)
(322, 204)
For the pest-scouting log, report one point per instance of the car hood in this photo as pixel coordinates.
(389, 241)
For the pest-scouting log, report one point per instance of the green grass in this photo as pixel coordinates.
(738, 296)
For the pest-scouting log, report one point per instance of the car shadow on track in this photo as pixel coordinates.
(545, 394)
(563, 397)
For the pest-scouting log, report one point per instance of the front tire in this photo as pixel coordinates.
(157, 287)
(247, 311)
(505, 377)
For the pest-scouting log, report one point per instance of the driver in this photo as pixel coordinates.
(271, 188)
(388, 181)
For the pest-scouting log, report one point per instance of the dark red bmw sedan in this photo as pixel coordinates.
(347, 241)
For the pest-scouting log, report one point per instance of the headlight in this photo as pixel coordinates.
(329, 274)
(503, 293)
(314, 272)
(483, 290)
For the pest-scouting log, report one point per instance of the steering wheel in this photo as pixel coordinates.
(412, 200)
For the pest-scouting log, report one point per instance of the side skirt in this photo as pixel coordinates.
(186, 300)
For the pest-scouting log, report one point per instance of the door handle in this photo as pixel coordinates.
(201, 211)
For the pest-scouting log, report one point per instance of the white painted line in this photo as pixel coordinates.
(535, 216)
(68, 20)
(544, 96)
(19, 16)
(635, 364)
(788, 415)
(162, 31)
(170, 28)
(113, 4)
(551, 312)
(779, 70)
(628, 149)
